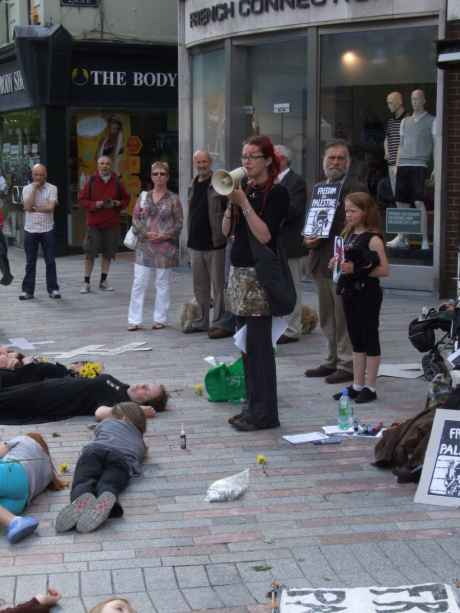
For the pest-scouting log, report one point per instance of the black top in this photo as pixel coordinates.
(57, 399)
(273, 212)
(32, 373)
(200, 237)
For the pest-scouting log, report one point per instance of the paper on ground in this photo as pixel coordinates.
(21, 343)
(307, 437)
(220, 359)
(279, 325)
(98, 350)
(401, 371)
(421, 597)
(336, 430)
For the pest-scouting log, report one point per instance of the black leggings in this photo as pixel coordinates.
(362, 310)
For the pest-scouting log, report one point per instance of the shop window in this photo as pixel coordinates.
(276, 96)
(19, 151)
(209, 104)
(132, 140)
(358, 72)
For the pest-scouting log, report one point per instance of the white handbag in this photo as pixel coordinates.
(130, 240)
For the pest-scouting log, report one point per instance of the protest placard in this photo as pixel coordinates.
(324, 202)
(440, 480)
(414, 598)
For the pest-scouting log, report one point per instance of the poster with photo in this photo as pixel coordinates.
(106, 134)
(440, 480)
(321, 213)
(339, 254)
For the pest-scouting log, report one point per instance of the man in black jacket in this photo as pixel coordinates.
(338, 366)
(292, 236)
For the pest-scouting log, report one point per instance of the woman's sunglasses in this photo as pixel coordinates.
(161, 174)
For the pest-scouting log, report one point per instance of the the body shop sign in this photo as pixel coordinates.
(206, 20)
(146, 79)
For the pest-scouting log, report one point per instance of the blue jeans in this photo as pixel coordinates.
(31, 242)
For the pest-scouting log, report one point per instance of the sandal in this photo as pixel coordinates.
(133, 327)
(158, 326)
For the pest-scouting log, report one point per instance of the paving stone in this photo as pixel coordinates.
(191, 576)
(7, 589)
(236, 594)
(202, 598)
(72, 605)
(168, 601)
(128, 580)
(67, 583)
(29, 585)
(223, 574)
(156, 578)
(96, 582)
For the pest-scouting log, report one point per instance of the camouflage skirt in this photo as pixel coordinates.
(245, 296)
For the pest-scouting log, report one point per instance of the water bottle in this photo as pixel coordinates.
(183, 438)
(345, 416)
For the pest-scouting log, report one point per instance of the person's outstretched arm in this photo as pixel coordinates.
(41, 603)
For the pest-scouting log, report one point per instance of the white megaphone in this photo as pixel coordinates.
(225, 182)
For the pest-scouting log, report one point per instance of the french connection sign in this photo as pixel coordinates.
(206, 20)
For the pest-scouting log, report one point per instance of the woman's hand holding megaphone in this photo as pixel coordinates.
(238, 198)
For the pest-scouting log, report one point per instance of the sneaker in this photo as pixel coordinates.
(85, 288)
(55, 294)
(68, 516)
(399, 242)
(25, 296)
(352, 393)
(104, 287)
(20, 527)
(96, 514)
(365, 395)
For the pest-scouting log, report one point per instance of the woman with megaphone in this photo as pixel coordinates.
(254, 216)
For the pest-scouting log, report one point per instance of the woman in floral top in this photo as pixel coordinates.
(157, 221)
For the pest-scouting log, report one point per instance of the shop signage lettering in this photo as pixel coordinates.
(79, 3)
(11, 82)
(245, 8)
(116, 78)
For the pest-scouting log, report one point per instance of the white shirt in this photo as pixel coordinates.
(283, 174)
(35, 221)
(3, 185)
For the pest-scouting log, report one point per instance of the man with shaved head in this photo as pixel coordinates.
(39, 199)
(103, 197)
(206, 244)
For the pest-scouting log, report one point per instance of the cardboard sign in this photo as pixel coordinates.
(440, 481)
(321, 213)
(415, 598)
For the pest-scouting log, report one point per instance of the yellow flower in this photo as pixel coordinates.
(90, 370)
(261, 459)
(199, 389)
(63, 468)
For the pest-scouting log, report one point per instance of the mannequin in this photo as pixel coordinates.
(393, 134)
(415, 151)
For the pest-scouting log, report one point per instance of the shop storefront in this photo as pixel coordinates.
(305, 72)
(91, 99)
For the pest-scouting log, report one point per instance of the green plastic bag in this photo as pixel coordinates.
(226, 383)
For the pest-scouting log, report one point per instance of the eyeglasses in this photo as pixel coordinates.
(245, 158)
(161, 174)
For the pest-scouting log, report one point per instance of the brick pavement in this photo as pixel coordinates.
(320, 516)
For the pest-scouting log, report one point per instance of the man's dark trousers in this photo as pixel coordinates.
(31, 242)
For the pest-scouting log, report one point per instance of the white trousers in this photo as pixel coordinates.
(141, 280)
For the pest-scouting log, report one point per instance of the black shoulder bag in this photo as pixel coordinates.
(274, 275)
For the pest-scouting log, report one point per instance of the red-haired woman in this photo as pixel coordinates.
(259, 210)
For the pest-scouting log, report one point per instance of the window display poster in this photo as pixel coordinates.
(440, 480)
(321, 213)
(415, 598)
(105, 134)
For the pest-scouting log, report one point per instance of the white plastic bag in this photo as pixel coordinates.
(230, 488)
(130, 240)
